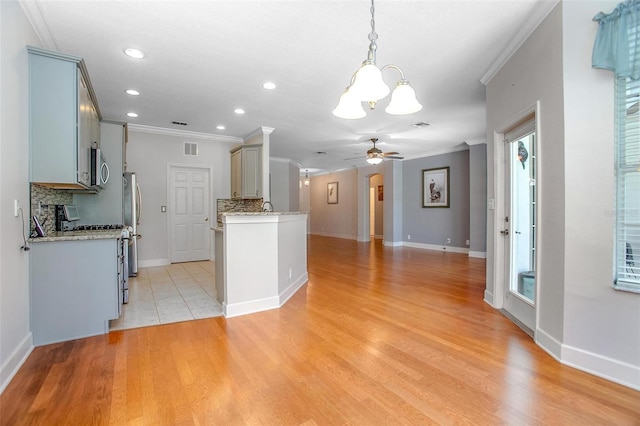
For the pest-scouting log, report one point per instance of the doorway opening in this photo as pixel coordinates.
(376, 206)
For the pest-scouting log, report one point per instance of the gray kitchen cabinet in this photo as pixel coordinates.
(73, 289)
(246, 172)
(64, 120)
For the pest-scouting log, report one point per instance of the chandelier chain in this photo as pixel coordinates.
(373, 35)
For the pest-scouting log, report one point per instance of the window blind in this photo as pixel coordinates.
(523, 128)
(627, 255)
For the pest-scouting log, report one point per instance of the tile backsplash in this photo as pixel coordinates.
(231, 206)
(48, 199)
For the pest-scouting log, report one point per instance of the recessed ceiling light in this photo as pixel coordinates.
(132, 114)
(269, 85)
(134, 53)
(238, 111)
(132, 92)
(220, 127)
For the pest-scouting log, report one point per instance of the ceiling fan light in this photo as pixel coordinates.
(374, 160)
(403, 100)
(349, 107)
(368, 84)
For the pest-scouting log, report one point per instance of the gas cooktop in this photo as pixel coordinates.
(96, 227)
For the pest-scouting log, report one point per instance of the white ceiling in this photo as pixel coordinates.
(205, 58)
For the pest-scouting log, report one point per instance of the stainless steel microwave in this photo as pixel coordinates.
(99, 168)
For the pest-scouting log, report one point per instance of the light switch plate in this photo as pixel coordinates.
(163, 209)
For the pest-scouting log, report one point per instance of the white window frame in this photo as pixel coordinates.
(627, 168)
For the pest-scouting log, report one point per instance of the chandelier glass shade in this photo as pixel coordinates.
(306, 178)
(368, 86)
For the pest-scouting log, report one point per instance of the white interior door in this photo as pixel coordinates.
(519, 228)
(189, 214)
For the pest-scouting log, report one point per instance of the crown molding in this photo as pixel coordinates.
(33, 10)
(476, 141)
(182, 133)
(261, 131)
(538, 13)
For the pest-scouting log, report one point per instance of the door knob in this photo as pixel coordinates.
(505, 232)
(206, 219)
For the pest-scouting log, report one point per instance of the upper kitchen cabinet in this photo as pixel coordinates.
(64, 120)
(246, 172)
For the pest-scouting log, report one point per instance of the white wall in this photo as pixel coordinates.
(581, 320)
(279, 175)
(534, 73)
(285, 185)
(601, 325)
(148, 155)
(335, 220)
(15, 335)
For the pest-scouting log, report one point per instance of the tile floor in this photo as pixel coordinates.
(172, 293)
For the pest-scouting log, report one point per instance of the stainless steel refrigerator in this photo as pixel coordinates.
(132, 205)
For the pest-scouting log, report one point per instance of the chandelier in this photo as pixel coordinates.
(367, 86)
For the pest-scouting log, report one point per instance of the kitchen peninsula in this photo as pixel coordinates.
(261, 260)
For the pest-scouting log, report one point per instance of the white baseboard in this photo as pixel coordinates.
(548, 343)
(488, 298)
(392, 243)
(329, 234)
(259, 305)
(478, 254)
(602, 366)
(437, 247)
(250, 307)
(11, 366)
(293, 288)
(153, 262)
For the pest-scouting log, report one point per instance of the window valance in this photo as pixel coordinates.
(617, 44)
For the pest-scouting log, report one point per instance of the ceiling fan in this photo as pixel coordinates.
(375, 155)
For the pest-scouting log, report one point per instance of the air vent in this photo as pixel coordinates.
(190, 149)
(321, 152)
(421, 124)
(179, 123)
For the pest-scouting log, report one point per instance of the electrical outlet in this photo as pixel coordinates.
(290, 272)
(448, 240)
(467, 242)
(16, 207)
(409, 237)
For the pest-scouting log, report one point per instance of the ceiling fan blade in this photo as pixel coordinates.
(354, 158)
(386, 154)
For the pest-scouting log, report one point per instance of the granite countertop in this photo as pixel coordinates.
(260, 213)
(78, 236)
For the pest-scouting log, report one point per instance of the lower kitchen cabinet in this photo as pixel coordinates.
(73, 288)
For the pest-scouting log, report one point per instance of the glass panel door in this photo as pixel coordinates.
(520, 229)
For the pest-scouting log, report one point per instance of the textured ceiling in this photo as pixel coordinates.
(205, 58)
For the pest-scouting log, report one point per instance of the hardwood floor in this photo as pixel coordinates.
(378, 336)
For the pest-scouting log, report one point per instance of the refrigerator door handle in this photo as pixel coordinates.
(138, 203)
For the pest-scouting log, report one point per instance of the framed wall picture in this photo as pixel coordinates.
(332, 193)
(435, 187)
